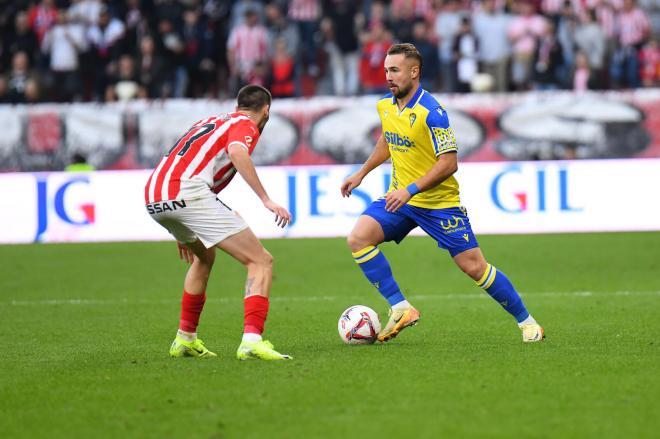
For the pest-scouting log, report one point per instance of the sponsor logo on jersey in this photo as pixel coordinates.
(396, 139)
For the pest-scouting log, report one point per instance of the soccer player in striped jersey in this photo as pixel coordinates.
(423, 192)
(181, 195)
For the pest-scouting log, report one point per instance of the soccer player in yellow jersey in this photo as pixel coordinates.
(423, 192)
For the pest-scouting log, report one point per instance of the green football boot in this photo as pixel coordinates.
(182, 348)
(263, 350)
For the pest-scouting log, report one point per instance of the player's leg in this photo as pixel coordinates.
(451, 228)
(248, 250)
(500, 288)
(186, 343)
(372, 228)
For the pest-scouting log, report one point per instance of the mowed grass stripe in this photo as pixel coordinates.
(413, 297)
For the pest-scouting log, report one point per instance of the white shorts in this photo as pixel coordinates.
(207, 219)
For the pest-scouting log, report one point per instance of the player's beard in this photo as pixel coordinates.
(403, 91)
(262, 122)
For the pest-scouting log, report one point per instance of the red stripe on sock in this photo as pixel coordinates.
(191, 308)
(256, 311)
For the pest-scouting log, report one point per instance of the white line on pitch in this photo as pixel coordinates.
(324, 298)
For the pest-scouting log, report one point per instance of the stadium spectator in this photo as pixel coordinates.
(135, 24)
(247, 46)
(151, 70)
(491, 26)
(421, 38)
(374, 49)
(125, 85)
(280, 28)
(4, 92)
(198, 50)
(79, 163)
(41, 17)
(105, 38)
(565, 27)
(170, 44)
(306, 15)
(465, 55)
(548, 60)
(63, 43)
(649, 58)
(18, 79)
(343, 15)
(591, 40)
(403, 17)
(634, 31)
(582, 76)
(241, 7)
(283, 70)
(524, 30)
(86, 12)
(447, 25)
(20, 39)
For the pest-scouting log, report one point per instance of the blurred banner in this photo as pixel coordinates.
(506, 197)
(332, 130)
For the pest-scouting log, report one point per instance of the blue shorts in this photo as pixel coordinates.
(450, 227)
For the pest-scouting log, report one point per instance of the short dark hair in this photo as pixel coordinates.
(407, 50)
(253, 97)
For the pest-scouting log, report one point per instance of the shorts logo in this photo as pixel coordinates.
(452, 224)
(165, 206)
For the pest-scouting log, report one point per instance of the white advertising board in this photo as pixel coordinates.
(506, 197)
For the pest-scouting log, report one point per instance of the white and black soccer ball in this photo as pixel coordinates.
(359, 324)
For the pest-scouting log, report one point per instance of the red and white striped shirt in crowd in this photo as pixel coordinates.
(606, 16)
(249, 46)
(633, 27)
(421, 8)
(199, 161)
(305, 10)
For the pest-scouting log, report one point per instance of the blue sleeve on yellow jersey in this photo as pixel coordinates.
(442, 134)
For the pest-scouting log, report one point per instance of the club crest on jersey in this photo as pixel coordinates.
(413, 118)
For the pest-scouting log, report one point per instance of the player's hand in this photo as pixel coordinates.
(185, 254)
(282, 216)
(395, 199)
(350, 183)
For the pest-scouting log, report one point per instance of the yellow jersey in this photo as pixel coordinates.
(416, 136)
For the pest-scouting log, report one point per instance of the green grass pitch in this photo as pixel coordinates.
(85, 330)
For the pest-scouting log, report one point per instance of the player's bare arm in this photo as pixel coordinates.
(241, 160)
(378, 156)
(444, 168)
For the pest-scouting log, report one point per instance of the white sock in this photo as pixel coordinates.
(527, 321)
(251, 337)
(187, 336)
(401, 305)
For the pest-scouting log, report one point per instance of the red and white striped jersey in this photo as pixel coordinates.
(199, 160)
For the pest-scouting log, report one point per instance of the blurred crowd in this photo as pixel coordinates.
(93, 50)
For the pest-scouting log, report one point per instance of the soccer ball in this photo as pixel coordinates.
(359, 325)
